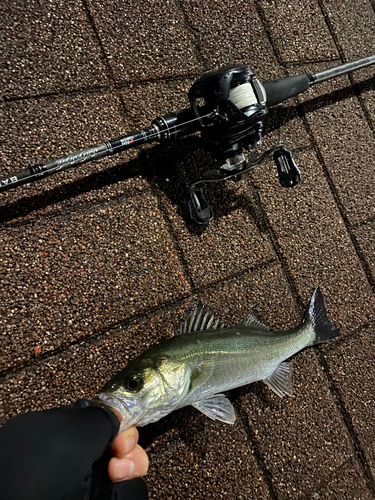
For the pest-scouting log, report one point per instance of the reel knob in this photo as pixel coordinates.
(288, 172)
(200, 210)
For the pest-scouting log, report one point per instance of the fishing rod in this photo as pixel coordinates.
(230, 121)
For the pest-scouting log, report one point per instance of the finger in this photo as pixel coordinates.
(135, 464)
(125, 442)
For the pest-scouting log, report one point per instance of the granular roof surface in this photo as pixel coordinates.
(102, 261)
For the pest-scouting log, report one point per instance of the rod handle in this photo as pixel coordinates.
(281, 90)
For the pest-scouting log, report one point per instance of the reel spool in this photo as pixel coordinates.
(243, 96)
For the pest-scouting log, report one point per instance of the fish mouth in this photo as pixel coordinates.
(113, 402)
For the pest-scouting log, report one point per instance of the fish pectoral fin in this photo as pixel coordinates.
(217, 407)
(281, 380)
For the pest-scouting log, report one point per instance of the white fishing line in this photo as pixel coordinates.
(243, 96)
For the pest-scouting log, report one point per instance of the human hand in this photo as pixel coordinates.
(129, 460)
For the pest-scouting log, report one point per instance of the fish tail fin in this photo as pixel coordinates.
(317, 315)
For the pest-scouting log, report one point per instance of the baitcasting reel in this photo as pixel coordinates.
(236, 103)
(230, 121)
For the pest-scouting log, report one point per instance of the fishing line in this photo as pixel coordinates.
(175, 127)
(243, 96)
(99, 154)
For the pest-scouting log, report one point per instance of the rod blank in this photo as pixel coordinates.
(342, 70)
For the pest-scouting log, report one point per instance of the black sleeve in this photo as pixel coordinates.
(62, 453)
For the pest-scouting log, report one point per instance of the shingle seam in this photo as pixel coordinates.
(344, 60)
(349, 425)
(103, 55)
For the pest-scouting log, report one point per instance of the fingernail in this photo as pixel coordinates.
(129, 467)
(124, 469)
(130, 444)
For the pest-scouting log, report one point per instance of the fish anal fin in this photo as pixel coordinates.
(200, 318)
(217, 407)
(281, 380)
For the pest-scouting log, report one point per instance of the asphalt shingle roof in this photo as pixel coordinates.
(101, 261)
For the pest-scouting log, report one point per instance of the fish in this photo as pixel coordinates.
(205, 359)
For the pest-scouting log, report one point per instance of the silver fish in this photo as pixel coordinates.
(205, 358)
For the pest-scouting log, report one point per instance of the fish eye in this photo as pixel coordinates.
(134, 383)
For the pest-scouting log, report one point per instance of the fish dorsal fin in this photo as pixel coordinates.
(200, 318)
(252, 321)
